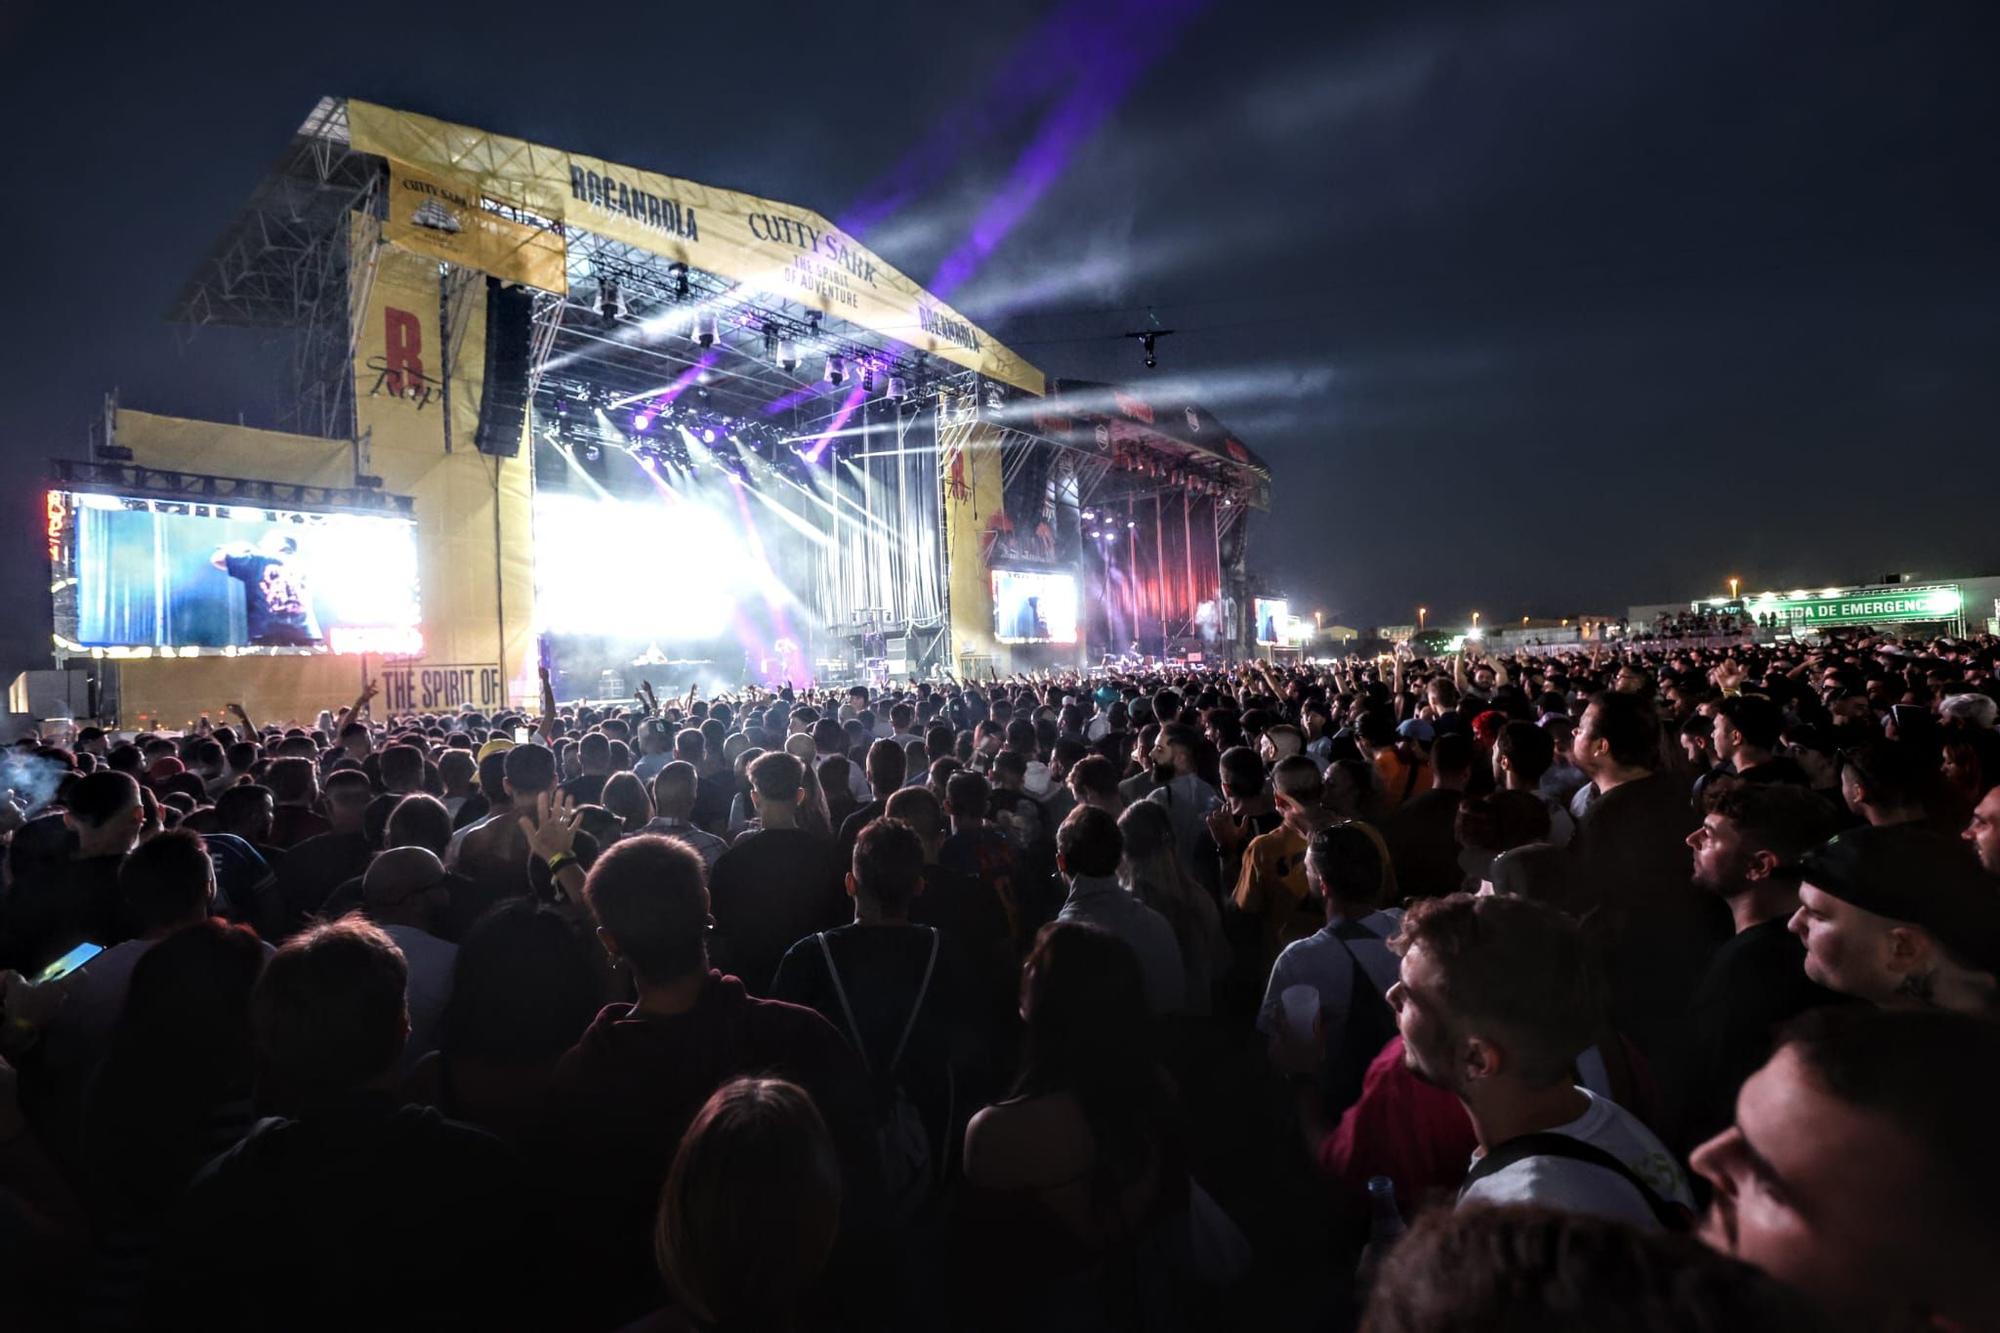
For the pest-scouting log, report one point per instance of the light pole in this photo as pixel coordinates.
(1734, 583)
(1422, 611)
(1475, 620)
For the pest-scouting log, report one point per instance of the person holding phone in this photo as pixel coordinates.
(65, 888)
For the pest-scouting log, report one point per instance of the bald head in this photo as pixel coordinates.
(399, 875)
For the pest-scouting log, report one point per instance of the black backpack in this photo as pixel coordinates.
(911, 1165)
(1370, 1024)
(1671, 1215)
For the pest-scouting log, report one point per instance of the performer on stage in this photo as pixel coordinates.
(276, 603)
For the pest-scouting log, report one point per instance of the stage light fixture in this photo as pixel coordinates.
(788, 355)
(836, 368)
(1149, 341)
(706, 330)
(680, 276)
(707, 436)
(899, 388)
(642, 422)
(610, 300)
(868, 377)
(590, 454)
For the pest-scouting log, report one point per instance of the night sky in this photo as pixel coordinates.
(1534, 308)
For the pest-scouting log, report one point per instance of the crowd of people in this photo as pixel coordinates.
(1655, 988)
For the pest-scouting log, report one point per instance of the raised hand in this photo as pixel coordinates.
(552, 830)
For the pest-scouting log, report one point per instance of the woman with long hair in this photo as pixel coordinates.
(1152, 873)
(749, 1213)
(813, 814)
(1067, 1175)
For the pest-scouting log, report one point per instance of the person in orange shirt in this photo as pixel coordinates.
(1398, 756)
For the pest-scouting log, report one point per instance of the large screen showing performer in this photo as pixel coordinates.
(1274, 615)
(1034, 607)
(147, 573)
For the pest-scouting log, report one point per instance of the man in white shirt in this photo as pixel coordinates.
(1180, 788)
(1346, 866)
(1495, 1000)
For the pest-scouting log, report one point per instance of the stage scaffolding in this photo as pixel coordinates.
(636, 326)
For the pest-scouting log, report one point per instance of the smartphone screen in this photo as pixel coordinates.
(522, 736)
(69, 962)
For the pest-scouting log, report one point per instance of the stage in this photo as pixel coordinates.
(641, 428)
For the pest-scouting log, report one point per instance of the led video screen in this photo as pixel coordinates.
(1034, 608)
(1273, 616)
(136, 572)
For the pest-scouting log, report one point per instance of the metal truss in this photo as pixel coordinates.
(282, 265)
(172, 484)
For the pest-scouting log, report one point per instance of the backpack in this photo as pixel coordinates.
(910, 1166)
(1370, 1023)
(1671, 1215)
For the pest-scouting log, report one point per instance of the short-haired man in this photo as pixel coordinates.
(1746, 731)
(1182, 791)
(625, 1093)
(886, 770)
(493, 854)
(1859, 1169)
(897, 991)
(1093, 780)
(1983, 830)
(70, 893)
(1495, 999)
(676, 790)
(1088, 850)
(1747, 853)
(415, 1212)
(775, 885)
(594, 753)
(977, 850)
(1902, 918)
(1629, 867)
(167, 882)
(1522, 756)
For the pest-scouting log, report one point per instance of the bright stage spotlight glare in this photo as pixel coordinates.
(642, 421)
(788, 355)
(708, 437)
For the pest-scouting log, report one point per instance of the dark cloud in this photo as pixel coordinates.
(1533, 307)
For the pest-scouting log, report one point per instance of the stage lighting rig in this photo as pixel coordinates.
(1149, 340)
(836, 368)
(706, 330)
(679, 272)
(610, 300)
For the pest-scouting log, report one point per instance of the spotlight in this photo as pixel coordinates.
(868, 377)
(680, 276)
(1090, 513)
(836, 368)
(590, 453)
(610, 300)
(708, 437)
(899, 389)
(788, 355)
(706, 330)
(642, 421)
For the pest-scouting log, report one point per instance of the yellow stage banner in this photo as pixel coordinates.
(969, 463)
(442, 216)
(768, 247)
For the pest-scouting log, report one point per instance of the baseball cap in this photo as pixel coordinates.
(498, 745)
(1416, 729)
(1907, 873)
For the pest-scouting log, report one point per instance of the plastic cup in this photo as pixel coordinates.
(1301, 1009)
